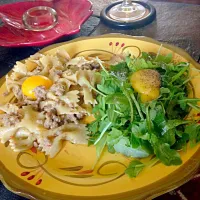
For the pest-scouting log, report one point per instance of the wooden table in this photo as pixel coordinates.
(176, 23)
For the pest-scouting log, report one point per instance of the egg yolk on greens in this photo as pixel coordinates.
(147, 83)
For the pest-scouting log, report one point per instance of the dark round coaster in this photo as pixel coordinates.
(148, 17)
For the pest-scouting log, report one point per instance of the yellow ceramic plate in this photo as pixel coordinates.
(69, 175)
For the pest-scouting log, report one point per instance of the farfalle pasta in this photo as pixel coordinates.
(44, 115)
(75, 133)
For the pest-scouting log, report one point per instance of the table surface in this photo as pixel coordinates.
(176, 23)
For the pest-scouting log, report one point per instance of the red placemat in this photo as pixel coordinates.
(188, 191)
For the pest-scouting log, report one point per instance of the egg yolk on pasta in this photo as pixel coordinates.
(32, 82)
(88, 119)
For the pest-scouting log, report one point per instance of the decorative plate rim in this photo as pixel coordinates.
(126, 195)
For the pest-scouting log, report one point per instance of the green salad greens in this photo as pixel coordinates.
(136, 128)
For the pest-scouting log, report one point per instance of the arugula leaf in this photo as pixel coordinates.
(101, 102)
(166, 59)
(112, 116)
(166, 155)
(120, 71)
(137, 106)
(134, 168)
(140, 143)
(170, 124)
(138, 64)
(164, 90)
(122, 122)
(147, 56)
(108, 87)
(100, 146)
(117, 98)
(135, 142)
(113, 138)
(193, 131)
(179, 74)
(185, 102)
(123, 147)
(140, 130)
(182, 142)
(163, 151)
(98, 113)
(93, 127)
(104, 126)
(157, 116)
(169, 137)
(99, 110)
(174, 111)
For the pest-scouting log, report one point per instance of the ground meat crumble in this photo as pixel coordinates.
(58, 89)
(53, 120)
(40, 92)
(10, 119)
